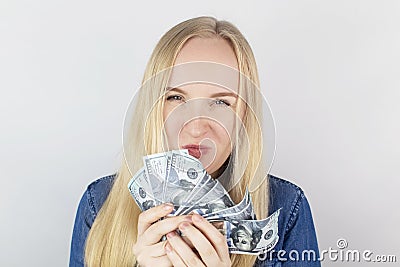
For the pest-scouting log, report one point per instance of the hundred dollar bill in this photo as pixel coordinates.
(202, 187)
(175, 188)
(171, 182)
(214, 200)
(250, 236)
(244, 208)
(184, 173)
(156, 170)
(247, 213)
(140, 190)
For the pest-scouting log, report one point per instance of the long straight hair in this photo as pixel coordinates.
(114, 231)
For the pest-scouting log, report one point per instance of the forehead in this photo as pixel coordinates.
(206, 60)
(217, 50)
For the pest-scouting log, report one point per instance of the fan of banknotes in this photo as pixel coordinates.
(179, 178)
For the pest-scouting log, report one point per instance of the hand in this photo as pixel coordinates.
(209, 243)
(149, 251)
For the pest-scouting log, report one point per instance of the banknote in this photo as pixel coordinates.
(214, 200)
(171, 181)
(178, 178)
(140, 190)
(202, 187)
(245, 205)
(246, 213)
(156, 170)
(250, 236)
(183, 175)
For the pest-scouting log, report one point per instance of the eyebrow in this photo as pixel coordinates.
(219, 94)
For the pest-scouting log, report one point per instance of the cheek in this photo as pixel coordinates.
(224, 135)
(224, 140)
(172, 126)
(167, 109)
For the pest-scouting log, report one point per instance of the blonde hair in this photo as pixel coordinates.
(113, 233)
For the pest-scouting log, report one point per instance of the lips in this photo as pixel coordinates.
(196, 150)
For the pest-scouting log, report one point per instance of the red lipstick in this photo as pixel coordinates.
(195, 150)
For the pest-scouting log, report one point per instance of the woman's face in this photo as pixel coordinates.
(198, 116)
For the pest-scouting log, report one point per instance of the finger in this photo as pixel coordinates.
(217, 239)
(146, 218)
(183, 250)
(187, 241)
(162, 261)
(203, 246)
(157, 250)
(173, 257)
(156, 231)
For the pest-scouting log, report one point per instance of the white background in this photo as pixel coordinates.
(329, 69)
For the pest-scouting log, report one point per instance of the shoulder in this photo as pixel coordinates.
(89, 205)
(280, 186)
(295, 224)
(287, 196)
(97, 192)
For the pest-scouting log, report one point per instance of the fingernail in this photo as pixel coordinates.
(188, 218)
(197, 218)
(168, 206)
(183, 226)
(171, 234)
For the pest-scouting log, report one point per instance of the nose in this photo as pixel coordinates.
(196, 117)
(197, 127)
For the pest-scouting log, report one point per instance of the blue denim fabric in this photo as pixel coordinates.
(296, 230)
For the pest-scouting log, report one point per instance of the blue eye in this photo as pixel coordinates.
(222, 102)
(174, 98)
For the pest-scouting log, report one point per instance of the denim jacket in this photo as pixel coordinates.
(297, 245)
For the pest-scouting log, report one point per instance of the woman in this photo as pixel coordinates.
(217, 124)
